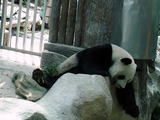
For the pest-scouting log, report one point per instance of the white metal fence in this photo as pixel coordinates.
(19, 24)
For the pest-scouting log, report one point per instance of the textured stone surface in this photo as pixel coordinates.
(77, 96)
(147, 86)
(7, 70)
(66, 50)
(97, 22)
(80, 97)
(18, 109)
(50, 58)
(37, 116)
(27, 87)
(72, 97)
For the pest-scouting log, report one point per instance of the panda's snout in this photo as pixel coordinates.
(119, 84)
(115, 84)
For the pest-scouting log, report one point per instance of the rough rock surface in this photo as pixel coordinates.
(27, 87)
(76, 97)
(49, 58)
(80, 96)
(72, 97)
(18, 109)
(147, 87)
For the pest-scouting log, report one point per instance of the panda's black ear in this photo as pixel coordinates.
(126, 61)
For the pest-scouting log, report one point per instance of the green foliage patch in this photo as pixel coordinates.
(50, 70)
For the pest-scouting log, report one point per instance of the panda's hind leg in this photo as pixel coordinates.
(68, 65)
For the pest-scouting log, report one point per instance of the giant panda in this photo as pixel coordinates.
(106, 60)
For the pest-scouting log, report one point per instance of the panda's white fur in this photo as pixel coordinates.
(119, 68)
(69, 63)
(116, 69)
(107, 60)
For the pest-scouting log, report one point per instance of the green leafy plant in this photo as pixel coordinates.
(47, 76)
(50, 70)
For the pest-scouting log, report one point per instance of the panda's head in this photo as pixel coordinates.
(123, 68)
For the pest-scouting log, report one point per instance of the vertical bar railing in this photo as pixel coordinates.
(79, 24)
(18, 43)
(71, 22)
(67, 22)
(43, 24)
(54, 25)
(3, 21)
(26, 24)
(19, 23)
(63, 21)
(10, 25)
(34, 24)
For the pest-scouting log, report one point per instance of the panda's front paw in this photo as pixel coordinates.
(133, 111)
(38, 76)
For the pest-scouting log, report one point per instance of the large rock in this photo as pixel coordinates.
(76, 97)
(55, 53)
(147, 86)
(51, 58)
(72, 97)
(18, 109)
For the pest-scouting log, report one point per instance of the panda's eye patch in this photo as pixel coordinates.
(121, 77)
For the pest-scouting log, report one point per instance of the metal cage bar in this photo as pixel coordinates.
(3, 21)
(18, 24)
(10, 25)
(26, 24)
(34, 24)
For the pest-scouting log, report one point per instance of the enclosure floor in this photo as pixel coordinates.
(12, 62)
(22, 58)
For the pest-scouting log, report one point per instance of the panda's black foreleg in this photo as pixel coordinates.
(126, 98)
